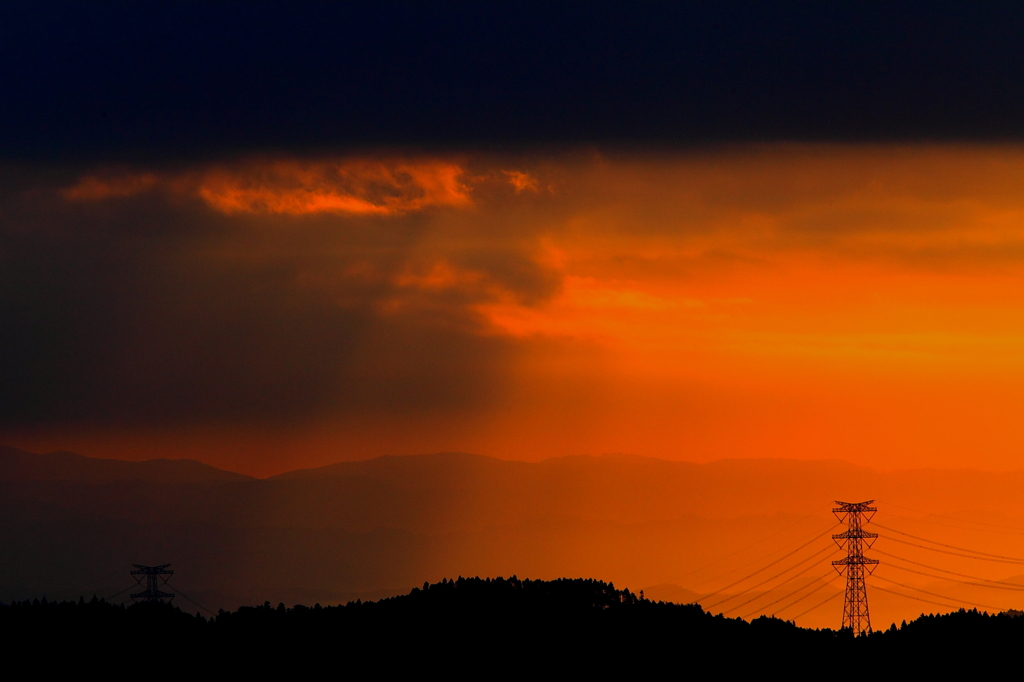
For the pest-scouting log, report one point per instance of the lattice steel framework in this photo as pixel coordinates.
(856, 565)
(154, 574)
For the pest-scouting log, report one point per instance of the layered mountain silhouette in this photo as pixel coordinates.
(72, 525)
(18, 465)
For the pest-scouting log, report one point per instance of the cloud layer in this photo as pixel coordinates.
(682, 305)
(264, 291)
(359, 187)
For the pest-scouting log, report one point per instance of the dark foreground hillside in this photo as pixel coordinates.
(491, 628)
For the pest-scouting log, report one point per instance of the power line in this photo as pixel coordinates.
(944, 570)
(998, 529)
(794, 592)
(816, 606)
(910, 596)
(950, 518)
(945, 551)
(942, 544)
(739, 551)
(96, 582)
(741, 566)
(764, 568)
(118, 594)
(767, 580)
(797, 601)
(185, 596)
(1002, 586)
(787, 580)
(940, 596)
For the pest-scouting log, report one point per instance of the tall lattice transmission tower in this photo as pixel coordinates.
(856, 539)
(154, 574)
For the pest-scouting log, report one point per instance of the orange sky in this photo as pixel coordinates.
(860, 303)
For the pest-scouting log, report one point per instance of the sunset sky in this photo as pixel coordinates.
(693, 232)
(265, 312)
(779, 245)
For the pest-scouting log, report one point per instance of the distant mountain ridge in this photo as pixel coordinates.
(20, 465)
(739, 485)
(626, 486)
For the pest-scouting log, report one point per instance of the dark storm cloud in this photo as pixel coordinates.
(156, 308)
(130, 80)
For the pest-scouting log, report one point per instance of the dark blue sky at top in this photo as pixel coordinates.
(102, 81)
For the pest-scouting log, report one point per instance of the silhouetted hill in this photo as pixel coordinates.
(497, 627)
(73, 525)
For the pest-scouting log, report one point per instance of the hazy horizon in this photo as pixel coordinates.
(141, 457)
(375, 528)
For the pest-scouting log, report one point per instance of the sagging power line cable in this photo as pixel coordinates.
(103, 577)
(959, 554)
(999, 585)
(185, 596)
(816, 606)
(816, 589)
(933, 594)
(934, 568)
(910, 596)
(739, 568)
(118, 594)
(784, 597)
(790, 579)
(739, 551)
(998, 529)
(942, 544)
(765, 568)
(768, 580)
(950, 518)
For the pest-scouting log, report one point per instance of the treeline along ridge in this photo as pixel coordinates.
(476, 626)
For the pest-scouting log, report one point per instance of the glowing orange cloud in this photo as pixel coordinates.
(353, 187)
(358, 187)
(520, 180)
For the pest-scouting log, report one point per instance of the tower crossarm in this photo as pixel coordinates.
(152, 570)
(859, 508)
(854, 560)
(153, 574)
(856, 506)
(856, 533)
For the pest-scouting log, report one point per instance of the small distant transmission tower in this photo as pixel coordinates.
(855, 538)
(154, 574)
